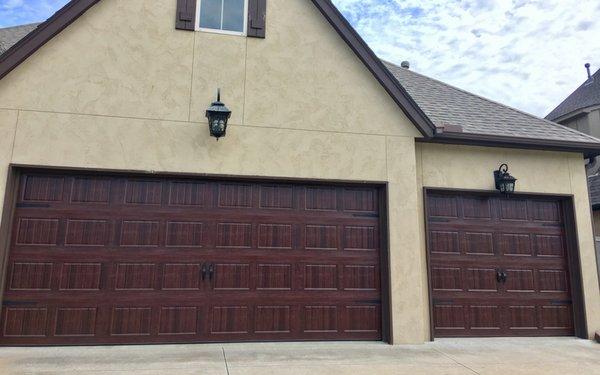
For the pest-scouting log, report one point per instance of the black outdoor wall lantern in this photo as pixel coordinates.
(218, 115)
(505, 183)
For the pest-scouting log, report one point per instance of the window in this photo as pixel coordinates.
(227, 16)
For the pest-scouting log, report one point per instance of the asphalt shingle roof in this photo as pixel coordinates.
(587, 95)
(594, 186)
(447, 105)
(11, 35)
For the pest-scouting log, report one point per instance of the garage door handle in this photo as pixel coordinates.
(203, 272)
(501, 276)
(211, 271)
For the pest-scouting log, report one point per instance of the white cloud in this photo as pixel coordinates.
(525, 53)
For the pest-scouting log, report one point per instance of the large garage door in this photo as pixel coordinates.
(114, 259)
(498, 266)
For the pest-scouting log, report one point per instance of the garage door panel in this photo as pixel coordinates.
(113, 259)
(481, 279)
(523, 239)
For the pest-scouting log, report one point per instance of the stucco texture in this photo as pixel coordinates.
(129, 93)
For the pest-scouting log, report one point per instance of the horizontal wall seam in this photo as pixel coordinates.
(204, 123)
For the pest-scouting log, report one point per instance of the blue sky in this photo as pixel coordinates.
(525, 53)
(18, 12)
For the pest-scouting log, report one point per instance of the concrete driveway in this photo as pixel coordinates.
(450, 356)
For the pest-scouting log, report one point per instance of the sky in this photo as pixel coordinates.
(529, 54)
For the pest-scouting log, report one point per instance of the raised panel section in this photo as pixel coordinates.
(447, 317)
(446, 279)
(25, 322)
(522, 318)
(135, 276)
(482, 280)
(146, 192)
(484, 317)
(31, 276)
(442, 207)
(320, 319)
(184, 234)
(362, 319)
(479, 243)
(86, 233)
(519, 281)
(552, 281)
(360, 278)
(477, 208)
(232, 277)
(181, 277)
(75, 322)
(80, 276)
(229, 320)
(131, 321)
(276, 197)
(140, 233)
(360, 238)
(515, 244)
(43, 188)
(547, 211)
(321, 198)
(272, 319)
(321, 277)
(321, 237)
(90, 190)
(37, 232)
(549, 246)
(442, 242)
(557, 317)
(361, 200)
(513, 209)
(187, 194)
(234, 235)
(235, 195)
(275, 236)
(178, 321)
(274, 277)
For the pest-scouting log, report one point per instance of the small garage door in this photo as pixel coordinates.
(498, 266)
(120, 259)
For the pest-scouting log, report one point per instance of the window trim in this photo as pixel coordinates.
(219, 31)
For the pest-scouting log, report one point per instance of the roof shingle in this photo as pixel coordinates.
(587, 95)
(11, 35)
(594, 186)
(447, 105)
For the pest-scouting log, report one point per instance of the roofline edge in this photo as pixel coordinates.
(589, 150)
(43, 33)
(376, 67)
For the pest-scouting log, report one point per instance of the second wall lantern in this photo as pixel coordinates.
(505, 183)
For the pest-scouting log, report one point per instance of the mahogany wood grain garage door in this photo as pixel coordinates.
(117, 259)
(498, 266)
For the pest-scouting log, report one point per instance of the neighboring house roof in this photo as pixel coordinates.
(587, 95)
(463, 112)
(440, 112)
(11, 35)
(594, 186)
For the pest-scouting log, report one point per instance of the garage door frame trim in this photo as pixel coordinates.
(573, 251)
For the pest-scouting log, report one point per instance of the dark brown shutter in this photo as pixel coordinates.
(257, 16)
(186, 15)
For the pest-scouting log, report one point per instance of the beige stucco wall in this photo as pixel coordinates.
(129, 93)
(466, 167)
